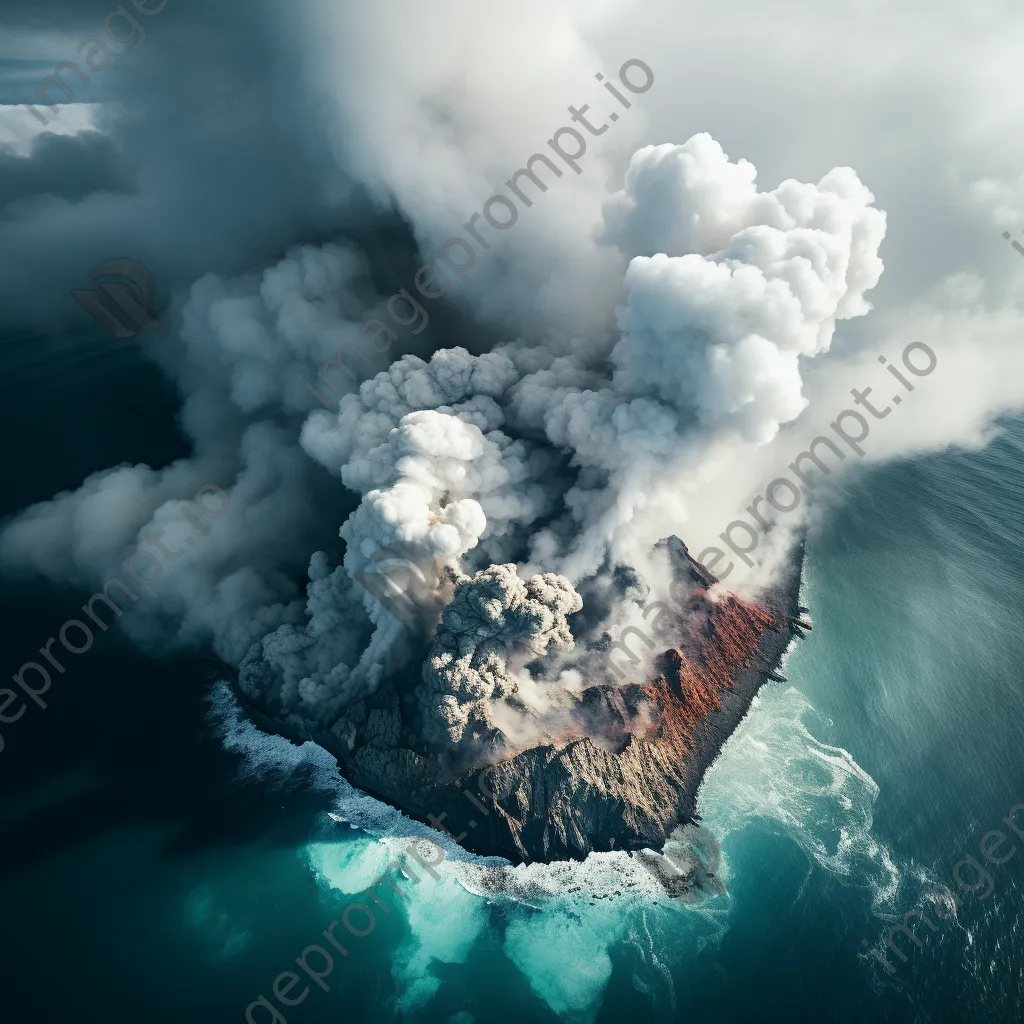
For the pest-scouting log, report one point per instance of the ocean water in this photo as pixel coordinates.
(160, 860)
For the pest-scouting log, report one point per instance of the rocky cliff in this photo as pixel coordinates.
(629, 789)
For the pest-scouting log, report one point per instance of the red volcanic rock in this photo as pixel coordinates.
(561, 802)
(629, 774)
(715, 656)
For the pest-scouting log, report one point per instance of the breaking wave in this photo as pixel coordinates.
(559, 923)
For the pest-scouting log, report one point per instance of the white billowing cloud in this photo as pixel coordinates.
(709, 356)
(425, 446)
(438, 116)
(721, 333)
(411, 490)
(365, 420)
(680, 199)
(256, 334)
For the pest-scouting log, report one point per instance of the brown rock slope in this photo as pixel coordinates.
(557, 803)
(628, 790)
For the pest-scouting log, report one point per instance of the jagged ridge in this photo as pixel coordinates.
(563, 801)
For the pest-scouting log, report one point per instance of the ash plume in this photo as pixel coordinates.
(624, 367)
(492, 615)
(531, 468)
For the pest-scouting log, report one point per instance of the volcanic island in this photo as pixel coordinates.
(625, 781)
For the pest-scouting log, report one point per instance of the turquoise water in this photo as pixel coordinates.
(893, 749)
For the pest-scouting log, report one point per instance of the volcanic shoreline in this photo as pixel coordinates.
(557, 804)
(563, 801)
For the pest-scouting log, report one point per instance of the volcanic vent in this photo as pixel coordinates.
(622, 767)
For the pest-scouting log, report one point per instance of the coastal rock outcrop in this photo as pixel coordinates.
(626, 785)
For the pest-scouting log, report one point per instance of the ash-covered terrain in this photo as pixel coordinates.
(617, 765)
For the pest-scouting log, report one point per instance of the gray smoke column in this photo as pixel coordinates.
(491, 615)
(538, 466)
(742, 286)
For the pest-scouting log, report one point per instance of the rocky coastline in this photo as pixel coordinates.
(563, 801)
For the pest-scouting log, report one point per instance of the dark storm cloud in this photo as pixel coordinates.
(67, 167)
(231, 166)
(47, 14)
(20, 74)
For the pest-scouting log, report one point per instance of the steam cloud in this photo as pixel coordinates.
(521, 455)
(629, 366)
